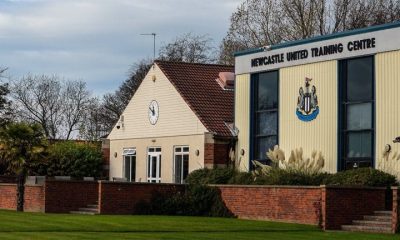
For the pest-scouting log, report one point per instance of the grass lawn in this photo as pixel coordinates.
(15, 225)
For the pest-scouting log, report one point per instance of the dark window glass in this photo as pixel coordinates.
(359, 145)
(265, 125)
(359, 79)
(127, 168)
(357, 109)
(267, 96)
(148, 166)
(359, 116)
(185, 170)
(154, 167)
(264, 144)
(178, 168)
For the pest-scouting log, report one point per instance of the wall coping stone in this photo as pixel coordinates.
(70, 181)
(263, 186)
(352, 187)
(139, 183)
(8, 184)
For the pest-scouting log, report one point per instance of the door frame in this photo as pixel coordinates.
(157, 155)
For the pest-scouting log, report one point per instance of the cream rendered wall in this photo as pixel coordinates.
(167, 164)
(177, 125)
(321, 133)
(387, 89)
(242, 118)
(175, 119)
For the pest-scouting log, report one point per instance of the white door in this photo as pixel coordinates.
(154, 165)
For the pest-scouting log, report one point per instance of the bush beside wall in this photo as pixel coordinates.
(197, 200)
(356, 177)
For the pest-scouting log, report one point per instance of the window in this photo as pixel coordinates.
(181, 158)
(129, 164)
(357, 111)
(154, 165)
(265, 113)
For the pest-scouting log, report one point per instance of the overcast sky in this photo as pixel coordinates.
(98, 40)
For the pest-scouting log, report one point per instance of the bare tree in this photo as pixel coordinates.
(93, 127)
(55, 104)
(189, 48)
(38, 100)
(76, 99)
(257, 23)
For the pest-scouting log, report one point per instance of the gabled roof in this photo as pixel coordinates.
(197, 85)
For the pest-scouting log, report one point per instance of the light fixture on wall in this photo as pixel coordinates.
(115, 154)
(120, 123)
(197, 152)
(388, 148)
(242, 152)
(153, 140)
(153, 78)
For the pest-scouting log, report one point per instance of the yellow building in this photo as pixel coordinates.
(177, 121)
(338, 94)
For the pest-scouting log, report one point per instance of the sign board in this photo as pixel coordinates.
(324, 50)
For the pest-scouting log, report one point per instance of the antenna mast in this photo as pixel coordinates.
(154, 43)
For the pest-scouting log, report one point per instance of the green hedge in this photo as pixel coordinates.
(276, 176)
(196, 200)
(72, 159)
(362, 177)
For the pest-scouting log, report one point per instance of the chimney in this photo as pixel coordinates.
(226, 80)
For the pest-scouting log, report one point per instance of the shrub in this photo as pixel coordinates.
(210, 176)
(242, 178)
(197, 200)
(362, 177)
(72, 159)
(278, 176)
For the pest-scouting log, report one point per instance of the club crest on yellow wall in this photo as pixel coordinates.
(307, 102)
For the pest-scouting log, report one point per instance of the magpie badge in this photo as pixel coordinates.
(307, 102)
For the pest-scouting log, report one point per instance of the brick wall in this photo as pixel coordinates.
(8, 196)
(122, 198)
(341, 205)
(216, 154)
(34, 198)
(276, 203)
(65, 196)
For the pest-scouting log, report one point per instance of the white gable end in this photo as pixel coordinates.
(175, 116)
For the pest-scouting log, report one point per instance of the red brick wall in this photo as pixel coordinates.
(122, 198)
(65, 196)
(216, 153)
(341, 205)
(276, 203)
(8, 196)
(34, 198)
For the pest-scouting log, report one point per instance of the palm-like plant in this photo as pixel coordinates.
(21, 145)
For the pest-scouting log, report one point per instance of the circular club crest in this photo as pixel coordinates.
(307, 102)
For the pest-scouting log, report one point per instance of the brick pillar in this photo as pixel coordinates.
(323, 208)
(395, 209)
(99, 197)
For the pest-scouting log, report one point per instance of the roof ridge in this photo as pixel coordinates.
(204, 64)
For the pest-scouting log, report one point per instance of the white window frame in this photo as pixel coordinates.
(155, 153)
(128, 152)
(182, 153)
